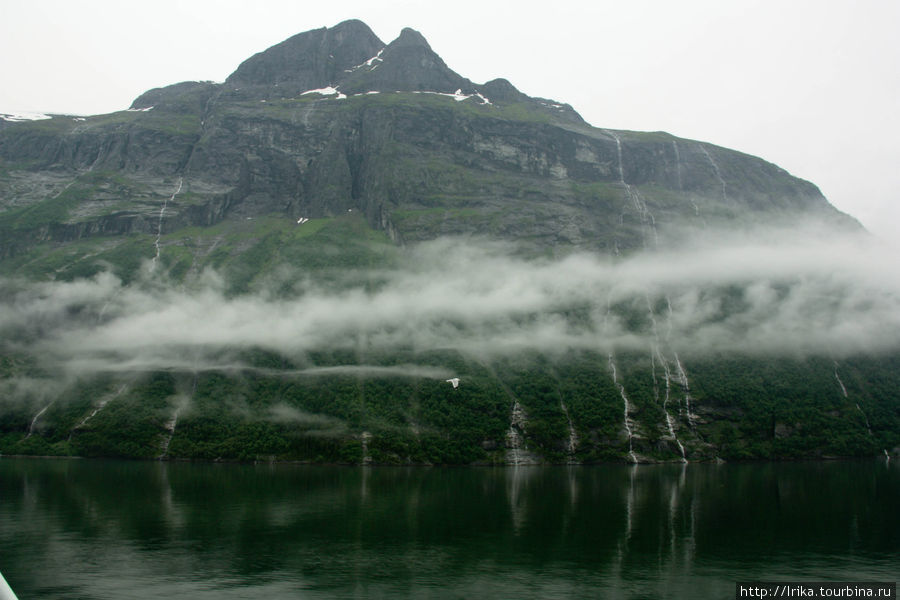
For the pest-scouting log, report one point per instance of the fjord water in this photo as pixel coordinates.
(109, 529)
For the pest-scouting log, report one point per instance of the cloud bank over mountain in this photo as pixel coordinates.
(791, 293)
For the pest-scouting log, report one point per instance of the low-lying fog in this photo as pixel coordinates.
(772, 292)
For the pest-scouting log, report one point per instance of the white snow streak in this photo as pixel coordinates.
(24, 116)
(326, 91)
(369, 63)
(457, 95)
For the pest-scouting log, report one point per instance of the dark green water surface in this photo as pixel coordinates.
(119, 530)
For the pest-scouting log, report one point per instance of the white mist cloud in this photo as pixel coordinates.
(773, 292)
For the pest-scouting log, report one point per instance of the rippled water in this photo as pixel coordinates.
(106, 529)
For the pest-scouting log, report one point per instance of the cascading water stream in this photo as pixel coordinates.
(681, 180)
(162, 214)
(716, 170)
(513, 438)
(678, 167)
(621, 388)
(682, 374)
(856, 404)
(649, 222)
(686, 386)
(627, 409)
(858, 407)
(100, 406)
(34, 420)
(170, 427)
(364, 438)
(669, 422)
(646, 217)
(172, 423)
(572, 443)
(516, 451)
(655, 350)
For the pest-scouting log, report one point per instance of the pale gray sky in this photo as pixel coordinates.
(811, 85)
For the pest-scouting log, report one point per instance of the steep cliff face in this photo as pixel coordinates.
(282, 199)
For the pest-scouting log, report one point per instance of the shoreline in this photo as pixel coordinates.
(714, 461)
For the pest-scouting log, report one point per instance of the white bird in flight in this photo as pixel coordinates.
(454, 382)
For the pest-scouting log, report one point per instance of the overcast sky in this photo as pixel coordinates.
(811, 85)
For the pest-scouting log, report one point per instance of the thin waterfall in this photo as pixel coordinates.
(162, 214)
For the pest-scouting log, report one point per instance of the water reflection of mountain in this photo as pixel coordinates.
(669, 530)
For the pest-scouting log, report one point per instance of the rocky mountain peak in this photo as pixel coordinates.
(351, 58)
(309, 60)
(350, 28)
(407, 64)
(410, 37)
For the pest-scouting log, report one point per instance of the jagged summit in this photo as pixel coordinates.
(410, 37)
(349, 57)
(407, 64)
(309, 60)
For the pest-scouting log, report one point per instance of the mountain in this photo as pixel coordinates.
(296, 263)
